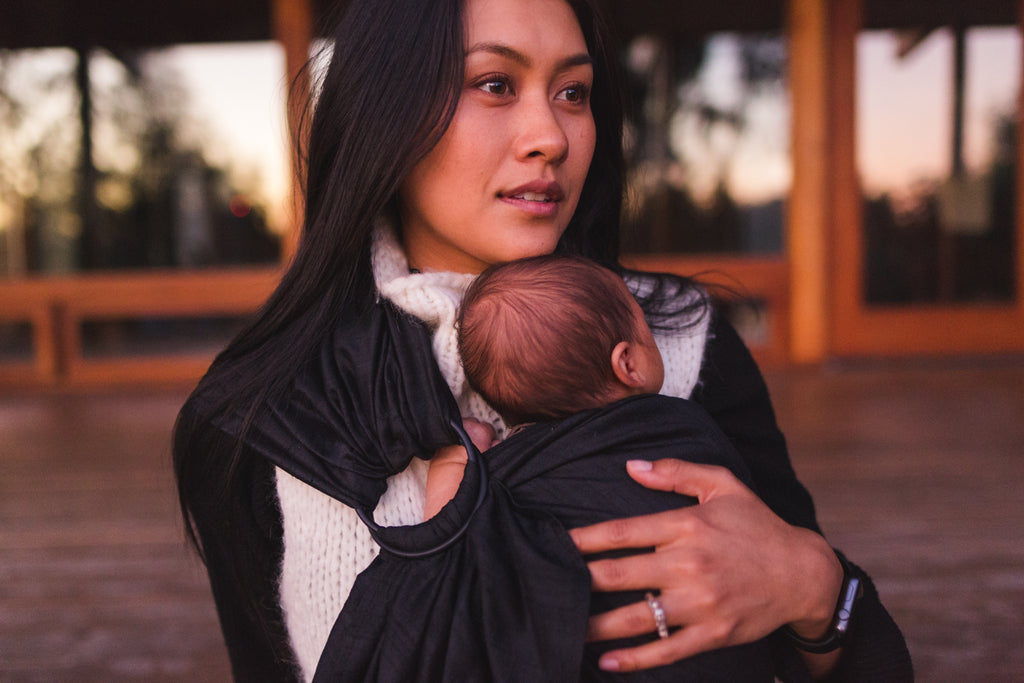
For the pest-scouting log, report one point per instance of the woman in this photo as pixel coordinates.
(450, 135)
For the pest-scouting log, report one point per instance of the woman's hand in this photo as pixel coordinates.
(449, 464)
(729, 570)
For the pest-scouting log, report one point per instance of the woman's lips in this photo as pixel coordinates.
(533, 197)
(538, 198)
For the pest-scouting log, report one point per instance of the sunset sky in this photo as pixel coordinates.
(904, 107)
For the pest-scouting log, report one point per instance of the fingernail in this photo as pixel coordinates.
(608, 663)
(639, 465)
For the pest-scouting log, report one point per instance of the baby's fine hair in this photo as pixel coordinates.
(536, 336)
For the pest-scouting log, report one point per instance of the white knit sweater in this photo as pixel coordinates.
(325, 544)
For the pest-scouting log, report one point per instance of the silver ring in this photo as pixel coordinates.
(659, 615)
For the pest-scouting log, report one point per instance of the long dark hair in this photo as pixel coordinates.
(387, 96)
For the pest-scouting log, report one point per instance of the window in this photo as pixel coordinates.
(707, 144)
(165, 158)
(937, 160)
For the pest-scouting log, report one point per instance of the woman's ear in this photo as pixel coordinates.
(625, 365)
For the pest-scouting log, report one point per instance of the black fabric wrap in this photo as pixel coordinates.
(371, 400)
(240, 528)
(510, 600)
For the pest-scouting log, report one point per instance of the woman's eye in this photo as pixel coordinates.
(575, 94)
(495, 87)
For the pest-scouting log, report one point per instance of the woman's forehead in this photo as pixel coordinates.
(524, 25)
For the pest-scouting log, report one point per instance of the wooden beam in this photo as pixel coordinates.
(632, 18)
(1019, 242)
(293, 28)
(808, 199)
(846, 217)
(130, 24)
(57, 308)
(937, 330)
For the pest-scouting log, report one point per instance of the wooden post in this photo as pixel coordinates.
(1019, 242)
(48, 344)
(808, 201)
(293, 28)
(846, 213)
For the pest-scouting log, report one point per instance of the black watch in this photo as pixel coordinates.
(833, 639)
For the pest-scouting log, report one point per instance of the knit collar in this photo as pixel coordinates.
(432, 296)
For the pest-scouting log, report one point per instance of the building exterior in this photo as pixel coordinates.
(850, 166)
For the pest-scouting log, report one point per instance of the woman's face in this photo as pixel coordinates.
(504, 180)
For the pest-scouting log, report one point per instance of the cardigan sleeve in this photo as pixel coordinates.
(733, 391)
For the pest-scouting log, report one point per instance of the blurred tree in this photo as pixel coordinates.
(679, 127)
(102, 167)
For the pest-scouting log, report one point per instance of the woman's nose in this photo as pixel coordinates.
(541, 133)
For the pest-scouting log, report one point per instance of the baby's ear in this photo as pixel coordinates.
(625, 366)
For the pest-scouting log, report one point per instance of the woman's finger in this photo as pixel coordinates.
(703, 482)
(645, 531)
(636, 572)
(624, 622)
(684, 642)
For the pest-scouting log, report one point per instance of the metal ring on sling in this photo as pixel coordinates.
(472, 456)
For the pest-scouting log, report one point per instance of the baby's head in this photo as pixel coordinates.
(549, 336)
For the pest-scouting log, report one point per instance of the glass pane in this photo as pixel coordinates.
(939, 181)
(170, 158)
(15, 342)
(707, 144)
(117, 338)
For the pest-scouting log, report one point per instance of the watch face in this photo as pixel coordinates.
(845, 611)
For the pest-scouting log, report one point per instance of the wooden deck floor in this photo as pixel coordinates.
(918, 471)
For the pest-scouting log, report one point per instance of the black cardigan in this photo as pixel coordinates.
(241, 534)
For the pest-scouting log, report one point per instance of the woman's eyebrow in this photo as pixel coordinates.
(502, 50)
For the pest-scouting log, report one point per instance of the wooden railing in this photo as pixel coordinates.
(57, 308)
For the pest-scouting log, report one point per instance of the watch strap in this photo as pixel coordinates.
(849, 593)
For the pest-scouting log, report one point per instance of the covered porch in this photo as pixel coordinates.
(813, 288)
(916, 469)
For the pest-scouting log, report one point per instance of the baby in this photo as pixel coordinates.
(545, 338)
(561, 349)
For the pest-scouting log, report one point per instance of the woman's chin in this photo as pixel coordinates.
(516, 249)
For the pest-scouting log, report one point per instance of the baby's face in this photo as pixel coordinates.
(648, 357)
